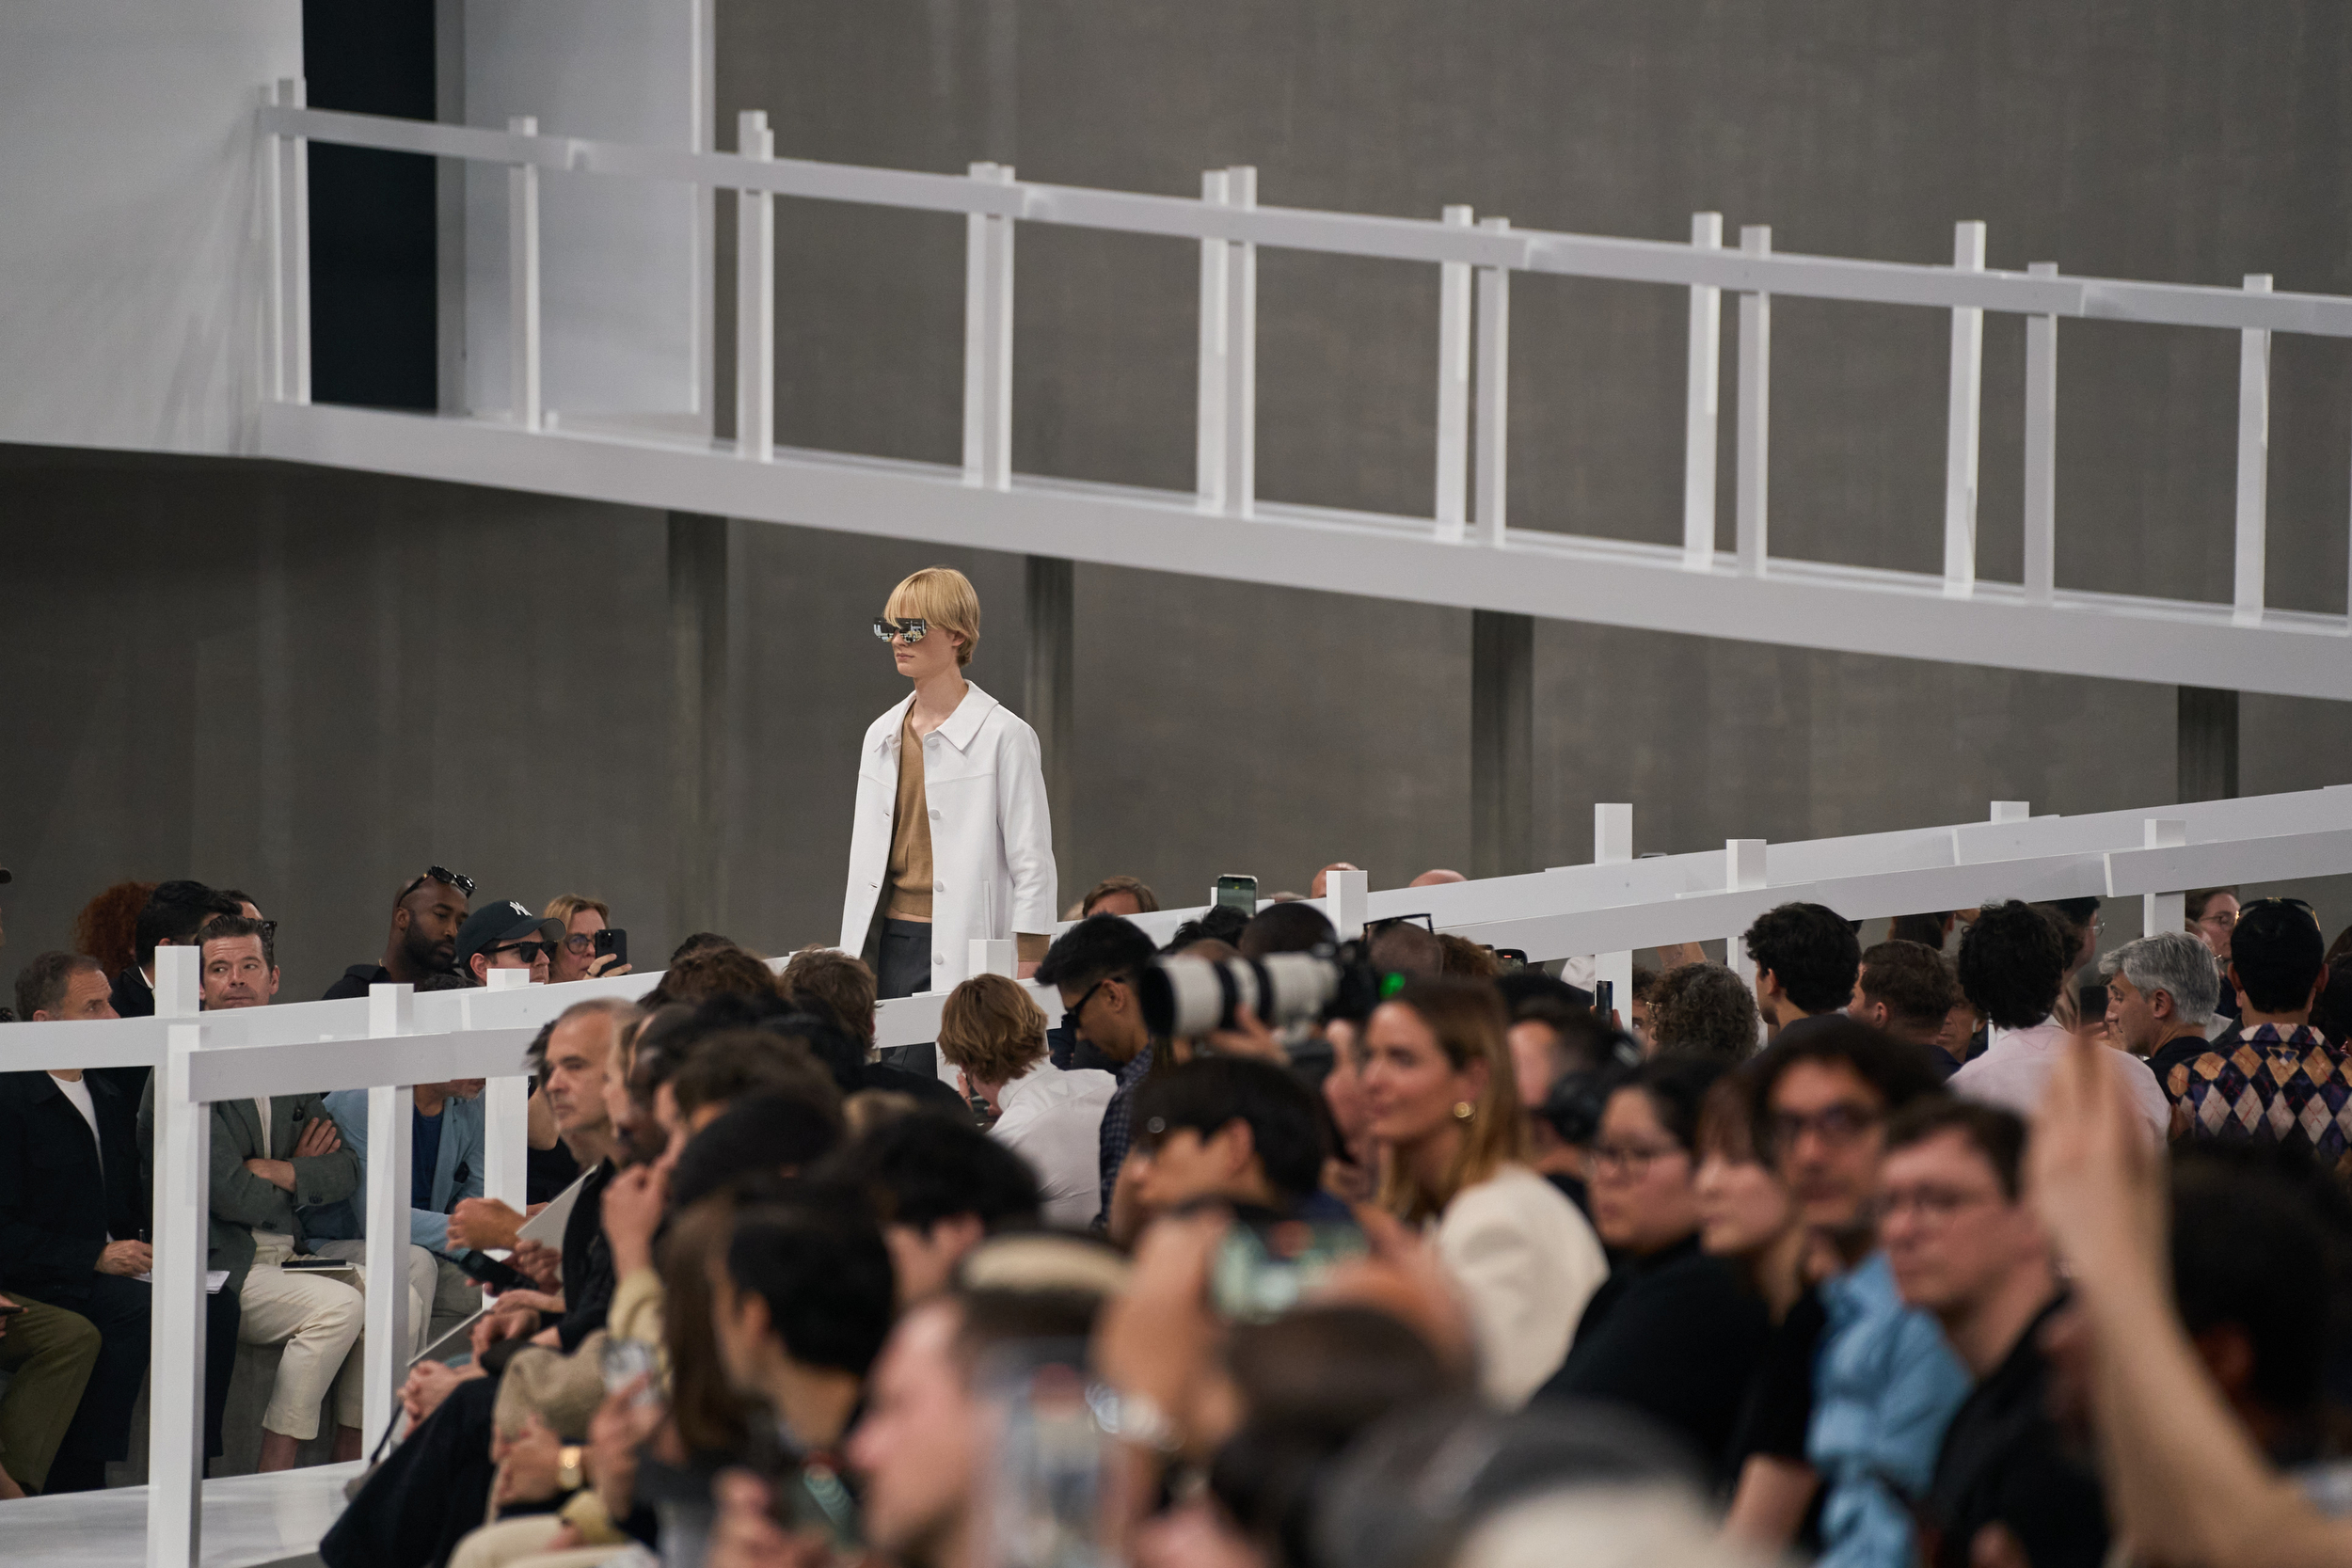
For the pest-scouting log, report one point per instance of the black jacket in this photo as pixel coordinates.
(355, 980)
(55, 1208)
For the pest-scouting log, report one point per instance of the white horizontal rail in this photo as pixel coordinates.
(1352, 234)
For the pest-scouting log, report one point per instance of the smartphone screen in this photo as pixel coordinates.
(1604, 997)
(1048, 1460)
(1262, 1270)
(1237, 892)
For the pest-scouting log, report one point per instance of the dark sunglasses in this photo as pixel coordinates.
(1069, 1015)
(447, 878)
(532, 951)
(913, 629)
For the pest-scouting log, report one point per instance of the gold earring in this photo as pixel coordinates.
(1464, 1110)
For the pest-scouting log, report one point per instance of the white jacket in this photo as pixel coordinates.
(991, 838)
(1526, 1262)
(1054, 1120)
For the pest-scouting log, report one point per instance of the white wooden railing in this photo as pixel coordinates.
(1464, 552)
(394, 1038)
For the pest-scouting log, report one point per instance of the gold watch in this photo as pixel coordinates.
(570, 1474)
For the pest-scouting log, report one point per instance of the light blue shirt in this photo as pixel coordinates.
(1885, 1389)
(462, 1143)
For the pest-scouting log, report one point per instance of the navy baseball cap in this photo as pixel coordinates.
(493, 925)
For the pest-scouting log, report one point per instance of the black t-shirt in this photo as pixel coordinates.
(2187, 1049)
(1778, 1408)
(1675, 1336)
(355, 980)
(2005, 1462)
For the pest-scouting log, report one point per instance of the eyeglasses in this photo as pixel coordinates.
(447, 878)
(1373, 927)
(580, 944)
(915, 628)
(2220, 920)
(1839, 1126)
(1633, 1159)
(1933, 1204)
(1069, 1015)
(531, 952)
(269, 933)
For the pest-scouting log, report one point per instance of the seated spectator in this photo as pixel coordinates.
(995, 1037)
(2280, 1081)
(1444, 1105)
(1094, 965)
(1296, 928)
(428, 912)
(504, 935)
(1927, 930)
(1748, 1217)
(1805, 958)
(2013, 964)
(1965, 1247)
(714, 969)
(2161, 992)
(73, 1218)
(1637, 1018)
(1703, 1010)
(1227, 1129)
(1884, 1383)
(575, 957)
(274, 1157)
(1437, 878)
(1908, 991)
(801, 1305)
(2210, 915)
(922, 1446)
(2332, 1015)
(1566, 1061)
(1672, 1334)
(1466, 958)
(447, 1157)
(939, 1188)
(1404, 947)
(170, 918)
(839, 988)
(1118, 895)
(107, 927)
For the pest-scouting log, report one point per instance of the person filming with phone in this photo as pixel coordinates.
(952, 840)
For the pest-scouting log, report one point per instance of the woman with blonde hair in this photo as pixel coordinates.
(995, 1037)
(952, 840)
(1443, 1104)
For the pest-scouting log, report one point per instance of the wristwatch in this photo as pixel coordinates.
(570, 1473)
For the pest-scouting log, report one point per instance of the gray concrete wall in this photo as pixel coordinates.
(313, 684)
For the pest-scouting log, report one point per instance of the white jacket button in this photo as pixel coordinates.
(939, 957)
(939, 887)
(934, 814)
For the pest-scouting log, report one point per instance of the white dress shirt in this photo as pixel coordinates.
(2016, 1067)
(1054, 1120)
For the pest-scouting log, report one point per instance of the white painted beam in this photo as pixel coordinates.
(1964, 425)
(1455, 332)
(1755, 418)
(1702, 402)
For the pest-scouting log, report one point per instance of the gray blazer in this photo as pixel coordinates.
(241, 1202)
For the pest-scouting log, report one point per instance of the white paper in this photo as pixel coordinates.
(214, 1280)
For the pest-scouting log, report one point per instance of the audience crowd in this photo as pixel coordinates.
(1959, 1249)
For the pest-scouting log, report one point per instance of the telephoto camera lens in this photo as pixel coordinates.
(1184, 998)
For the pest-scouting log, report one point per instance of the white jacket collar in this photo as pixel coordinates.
(960, 727)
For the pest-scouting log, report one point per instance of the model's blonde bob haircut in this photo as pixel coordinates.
(943, 597)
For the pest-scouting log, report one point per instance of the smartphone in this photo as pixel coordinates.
(1049, 1459)
(624, 1361)
(316, 1265)
(485, 1269)
(1513, 959)
(1237, 892)
(1264, 1268)
(1604, 997)
(614, 941)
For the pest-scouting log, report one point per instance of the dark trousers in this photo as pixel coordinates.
(428, 1492)
(906, 957)
(119, 1309)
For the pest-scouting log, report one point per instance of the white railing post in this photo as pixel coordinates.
(754, 298)
(1964, 425)
(1494, 395)
(993, 955)
(1209, 432)
(1743, 870)
(987, 340)
(1613, 844)
(522, 280)
(179, 981)
(2040, 449)
(505, 1115)
(2253, 462)
(2163, 912)
(2011, 811)
(1756, 381)
(292, 211)
(1348, 895)
(1454, 388)
(1240, 402)
(273, 240)
(391, 1012)
(182, 1231)
(1702, 406)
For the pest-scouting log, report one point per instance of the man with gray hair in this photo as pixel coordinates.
(2161, 993)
